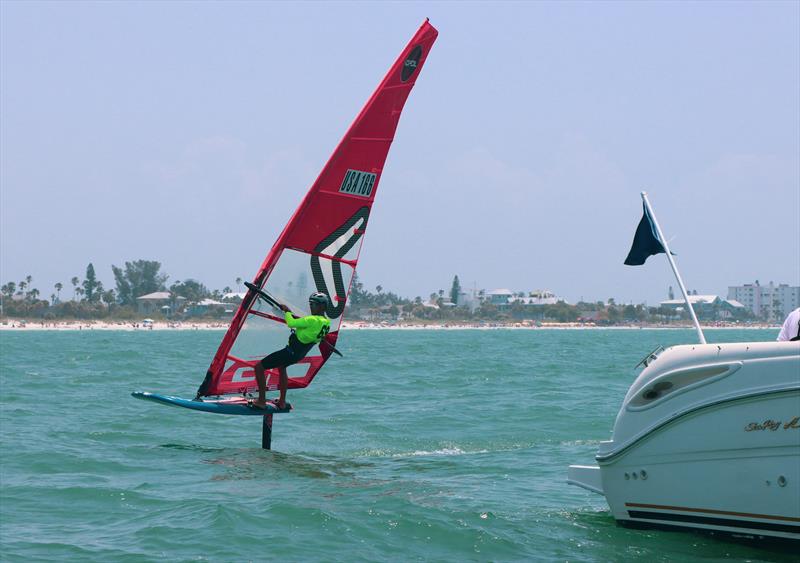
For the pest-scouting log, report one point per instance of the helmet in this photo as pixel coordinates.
(318, 297)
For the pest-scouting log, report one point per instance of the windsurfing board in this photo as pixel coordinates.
(235, 405)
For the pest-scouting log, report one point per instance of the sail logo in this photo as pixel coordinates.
(411, 63)
(337, 245)
(243, 374)
(358, 183)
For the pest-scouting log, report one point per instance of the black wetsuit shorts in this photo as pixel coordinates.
(293, 353)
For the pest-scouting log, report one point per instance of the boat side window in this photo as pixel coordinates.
(671, 383)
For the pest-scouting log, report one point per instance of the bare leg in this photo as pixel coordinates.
(283, 384)
(261, 402)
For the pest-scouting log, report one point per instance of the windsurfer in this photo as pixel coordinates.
(306, 333)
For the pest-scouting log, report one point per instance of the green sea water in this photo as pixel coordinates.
(417, 445)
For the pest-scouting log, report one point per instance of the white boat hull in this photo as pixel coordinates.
(718, 449)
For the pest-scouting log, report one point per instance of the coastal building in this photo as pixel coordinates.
(771, 302)
(503, 298)
(709, 307)
(498, 296)
(537, 297)
(209, 307)
(158, 302)
(470, 298)
(384, 313)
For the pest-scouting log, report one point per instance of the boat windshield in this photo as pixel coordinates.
(650, 357)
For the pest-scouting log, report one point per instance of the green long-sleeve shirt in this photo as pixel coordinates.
(309, 330)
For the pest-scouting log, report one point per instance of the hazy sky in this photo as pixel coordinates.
(188, 132)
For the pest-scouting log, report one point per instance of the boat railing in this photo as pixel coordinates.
(652, 355)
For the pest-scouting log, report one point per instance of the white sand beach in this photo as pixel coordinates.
(141, 325)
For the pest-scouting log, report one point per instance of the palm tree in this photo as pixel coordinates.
(22, 285)
(52, 298)
(10, 288)
(109, 298)
(79, 291)
(34, 294)
(74, 281)
(59, 286)
(239, 284)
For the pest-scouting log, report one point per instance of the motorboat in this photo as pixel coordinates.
(707, 437)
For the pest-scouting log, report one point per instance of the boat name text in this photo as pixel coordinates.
(358, 183)
(773, 425)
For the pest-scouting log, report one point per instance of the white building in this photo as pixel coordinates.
(772, 302)
(540, 297)
(505, 297)
(470, 298)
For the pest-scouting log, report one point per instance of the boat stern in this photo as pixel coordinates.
(587, 477)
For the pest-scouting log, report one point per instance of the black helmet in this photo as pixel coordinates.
(318, 297)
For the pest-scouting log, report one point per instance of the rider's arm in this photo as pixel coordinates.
(292, 322)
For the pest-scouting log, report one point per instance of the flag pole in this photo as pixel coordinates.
(663, 241)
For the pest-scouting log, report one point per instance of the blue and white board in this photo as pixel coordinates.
(235, 405)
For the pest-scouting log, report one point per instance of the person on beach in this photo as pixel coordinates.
(306, 333)
(791, 327)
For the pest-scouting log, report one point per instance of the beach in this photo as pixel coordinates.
(118, 325)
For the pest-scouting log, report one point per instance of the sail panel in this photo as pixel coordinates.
(318, 249)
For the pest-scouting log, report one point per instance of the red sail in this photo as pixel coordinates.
(318, 249)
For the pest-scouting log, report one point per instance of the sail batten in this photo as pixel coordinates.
(319, 247)
(374, 139)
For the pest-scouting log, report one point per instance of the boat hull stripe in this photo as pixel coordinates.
(712, 511)
(710, 521)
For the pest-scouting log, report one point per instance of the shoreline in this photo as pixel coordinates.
(138, 326)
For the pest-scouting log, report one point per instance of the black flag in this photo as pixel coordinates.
(645, 242)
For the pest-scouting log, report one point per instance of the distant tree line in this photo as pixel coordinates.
(383, 305)
(90, 300)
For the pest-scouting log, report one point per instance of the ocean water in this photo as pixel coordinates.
(417, 445)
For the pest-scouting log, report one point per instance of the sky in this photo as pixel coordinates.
(188, 132)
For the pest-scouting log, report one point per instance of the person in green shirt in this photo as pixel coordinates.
(306, 333)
